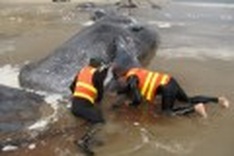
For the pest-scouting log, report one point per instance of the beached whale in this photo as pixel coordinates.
(110, 37)
(18, 108)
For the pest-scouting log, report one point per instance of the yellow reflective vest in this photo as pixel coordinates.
(148, 81)
(84, 85)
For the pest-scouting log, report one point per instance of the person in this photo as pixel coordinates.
(144, 85)
(87, 92)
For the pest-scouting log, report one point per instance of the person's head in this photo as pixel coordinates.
(96, 62)
(118, 71)
(123, 58)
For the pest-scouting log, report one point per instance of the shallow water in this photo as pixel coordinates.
(207, 1)
(196, 48)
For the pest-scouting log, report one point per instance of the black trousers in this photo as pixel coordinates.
(172, 92)
(86, 110)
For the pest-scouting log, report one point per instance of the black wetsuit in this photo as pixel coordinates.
(169, 92)
(84, 108)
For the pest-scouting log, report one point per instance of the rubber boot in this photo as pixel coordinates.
(84, 146)
(85, 142)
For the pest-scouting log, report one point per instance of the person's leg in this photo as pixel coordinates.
(182, 96)
(206, 99)
(203, 99)
(196, 103)
(185, 110)
(87, 139)
(180, 93)
(93, 115)
(87, 111)
(168, 93)
(172, 92)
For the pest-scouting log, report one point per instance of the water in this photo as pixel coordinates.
(196, 48)
(207, 1)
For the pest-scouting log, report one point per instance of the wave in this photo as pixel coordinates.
(210, 5)
(224, 54)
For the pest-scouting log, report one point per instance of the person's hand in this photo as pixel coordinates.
(131, 104)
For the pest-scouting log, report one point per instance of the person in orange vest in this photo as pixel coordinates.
(87, 93)
(142, 84)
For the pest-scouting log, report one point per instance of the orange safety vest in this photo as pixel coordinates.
(148, 81)
(84, 84)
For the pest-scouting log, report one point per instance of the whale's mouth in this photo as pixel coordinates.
(122, 61)
(124, 58)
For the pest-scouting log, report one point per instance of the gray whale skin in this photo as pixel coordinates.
(115, 38)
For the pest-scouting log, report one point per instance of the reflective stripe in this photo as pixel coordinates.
(164, 79)
(87, 86)
(83, 95)
(146, 84)
(93, 70)
(152, 85)
(132, 72)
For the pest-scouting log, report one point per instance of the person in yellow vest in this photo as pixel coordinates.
(142, 84)
(87, 90)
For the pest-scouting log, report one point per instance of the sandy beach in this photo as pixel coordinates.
(50, 1)
(196, 48)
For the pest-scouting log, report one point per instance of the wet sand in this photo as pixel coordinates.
(196, 50)
(42, 26)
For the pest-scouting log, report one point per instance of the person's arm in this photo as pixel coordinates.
(135, 92)
(98, 79)
(73, 85)
(126, 90)
(123, 88)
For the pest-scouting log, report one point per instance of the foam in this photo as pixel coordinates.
(161, 24)
(197, 53)
(9, 148)
(175, 148)
(43, 123)
(88, 23)
(207, 5)
(9, 76)
(165, 24)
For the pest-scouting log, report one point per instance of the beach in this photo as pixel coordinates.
(197, 43)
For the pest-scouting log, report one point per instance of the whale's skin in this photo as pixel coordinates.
(18, 108)
(55, 72)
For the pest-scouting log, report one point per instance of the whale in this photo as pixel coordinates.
(18, 108)
(55, 72)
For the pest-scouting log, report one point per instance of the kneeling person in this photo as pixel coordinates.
(87, 89)
(143, 84)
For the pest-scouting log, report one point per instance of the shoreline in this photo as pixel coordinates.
(195, 48)
(50, 1)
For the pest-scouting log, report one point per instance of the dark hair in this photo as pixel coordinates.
(95, 62)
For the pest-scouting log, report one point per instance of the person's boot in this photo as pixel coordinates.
(201, 110)
(85, 142)
(84, 146)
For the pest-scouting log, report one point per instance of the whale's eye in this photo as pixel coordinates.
(136, 28)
